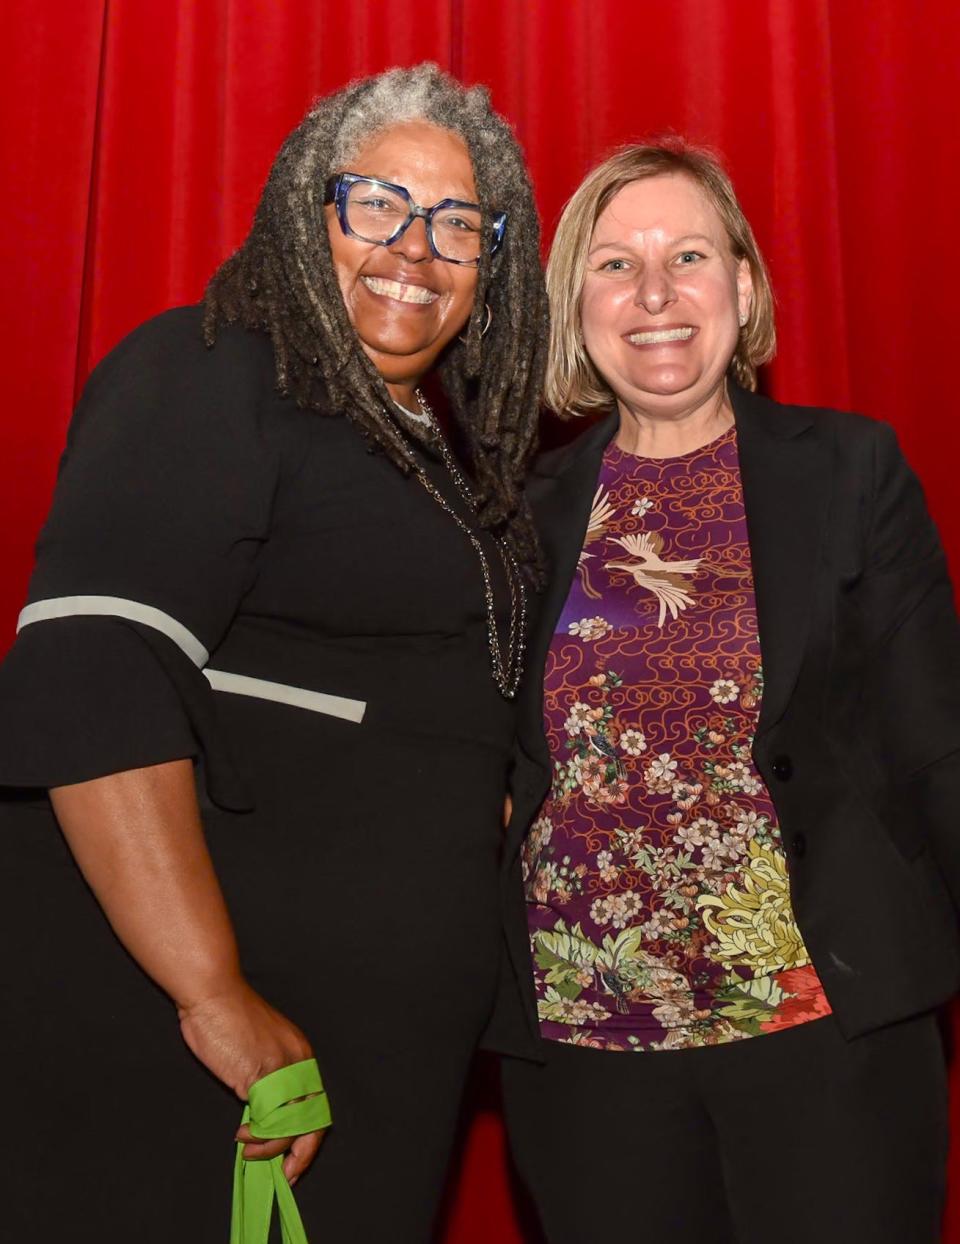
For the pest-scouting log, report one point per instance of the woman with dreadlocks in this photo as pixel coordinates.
(266, 672)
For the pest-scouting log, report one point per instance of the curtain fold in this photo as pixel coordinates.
(135, 136)
(804, 218)
(48, 108)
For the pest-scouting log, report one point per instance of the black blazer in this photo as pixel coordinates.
(859, 732)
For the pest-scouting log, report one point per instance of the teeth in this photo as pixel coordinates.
(402, 293)
(666, 334)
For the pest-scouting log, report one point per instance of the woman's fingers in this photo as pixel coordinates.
(302, 1152)
(255, 1150)
(263, 1150)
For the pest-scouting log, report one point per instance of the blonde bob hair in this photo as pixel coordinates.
(573, 384)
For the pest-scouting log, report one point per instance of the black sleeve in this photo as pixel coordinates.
(912, 706)
(162, 505)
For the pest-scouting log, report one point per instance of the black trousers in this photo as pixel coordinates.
(801, 1137)
(344, 922)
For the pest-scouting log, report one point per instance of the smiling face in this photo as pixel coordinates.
(404, 304)
(662, 295)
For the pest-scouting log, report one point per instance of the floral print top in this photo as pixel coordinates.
(658, 899)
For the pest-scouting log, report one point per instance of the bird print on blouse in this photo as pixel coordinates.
(658, 897)
(666, 580)
(600, 514)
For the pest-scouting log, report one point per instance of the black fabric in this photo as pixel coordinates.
(359, 861)
(388, 968)
(859, 732)
(797, 1136)
(91, 696)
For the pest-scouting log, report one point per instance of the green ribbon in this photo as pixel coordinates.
(287, 1102)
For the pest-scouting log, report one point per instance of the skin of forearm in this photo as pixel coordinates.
(139, 842)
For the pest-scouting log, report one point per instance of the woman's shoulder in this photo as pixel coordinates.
(849, 426)
(165, 392)
(164, 396)
(846, 429)
(172, 346)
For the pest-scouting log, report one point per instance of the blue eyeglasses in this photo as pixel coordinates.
(381, 212)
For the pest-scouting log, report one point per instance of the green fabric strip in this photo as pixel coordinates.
(287, 1102)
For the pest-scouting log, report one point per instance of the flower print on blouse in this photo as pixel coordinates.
(657, 889)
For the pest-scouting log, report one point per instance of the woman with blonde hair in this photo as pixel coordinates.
(741, 885)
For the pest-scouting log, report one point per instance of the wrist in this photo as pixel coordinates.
(219, 988)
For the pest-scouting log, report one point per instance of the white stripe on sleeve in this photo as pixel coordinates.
(116, 607)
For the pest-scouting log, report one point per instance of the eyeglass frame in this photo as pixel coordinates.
(338, 187)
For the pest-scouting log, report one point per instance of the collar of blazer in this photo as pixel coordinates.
(785, 466)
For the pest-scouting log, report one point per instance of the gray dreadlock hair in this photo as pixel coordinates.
(282, 281)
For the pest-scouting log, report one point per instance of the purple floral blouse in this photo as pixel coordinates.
(658, 897)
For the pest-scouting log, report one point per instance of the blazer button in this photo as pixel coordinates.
(782, 768)
(799, 844)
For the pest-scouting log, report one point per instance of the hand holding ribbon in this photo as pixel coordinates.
(288, 1102)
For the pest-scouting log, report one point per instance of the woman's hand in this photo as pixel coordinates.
(240, 1038)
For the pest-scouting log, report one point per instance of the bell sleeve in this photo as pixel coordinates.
(161, 508)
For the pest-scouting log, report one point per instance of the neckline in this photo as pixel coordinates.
(615, 452)
(423, 416)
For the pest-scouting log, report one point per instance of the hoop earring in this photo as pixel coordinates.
(486, 327)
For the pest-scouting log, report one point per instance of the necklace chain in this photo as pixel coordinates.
(507, 667)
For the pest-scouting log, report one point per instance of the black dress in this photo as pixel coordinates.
(230, 578)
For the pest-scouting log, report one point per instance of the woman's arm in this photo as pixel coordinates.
(164, 503)
(912, 693)
(139, 842)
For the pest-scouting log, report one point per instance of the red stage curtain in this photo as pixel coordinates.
(135, 135)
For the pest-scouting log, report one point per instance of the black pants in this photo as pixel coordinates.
(800, 1137)
(123, 1138)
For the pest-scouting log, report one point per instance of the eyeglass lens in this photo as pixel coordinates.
(375, 213)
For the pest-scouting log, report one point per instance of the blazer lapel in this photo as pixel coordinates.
(561, 492)
(784, 468)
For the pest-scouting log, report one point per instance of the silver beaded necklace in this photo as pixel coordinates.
(507, 668)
